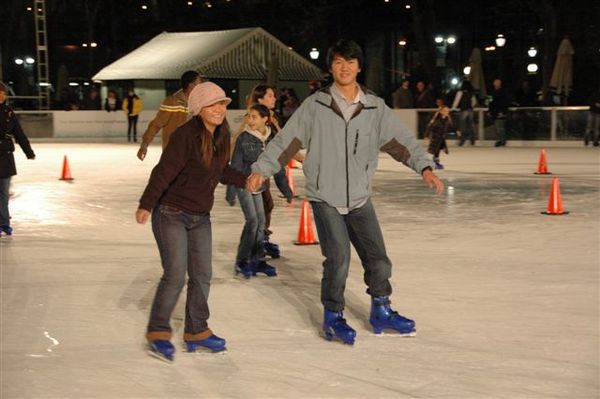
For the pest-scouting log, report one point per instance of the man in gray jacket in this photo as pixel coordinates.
(343, 128)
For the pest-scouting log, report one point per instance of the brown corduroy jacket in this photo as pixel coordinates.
(181, 180)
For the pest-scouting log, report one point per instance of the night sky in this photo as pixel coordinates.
(120, 26)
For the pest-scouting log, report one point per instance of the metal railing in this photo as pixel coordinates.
(523, 123)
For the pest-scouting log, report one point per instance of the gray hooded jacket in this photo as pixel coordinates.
(341, 157)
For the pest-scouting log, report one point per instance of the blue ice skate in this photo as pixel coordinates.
(260, 266)
(6, 229)
(438, 165)
(243, 268)
(271, 249)
(384, 318)
(162, 349)
(212, 343)
(335, 326)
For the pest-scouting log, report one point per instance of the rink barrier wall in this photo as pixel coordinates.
(525, 124)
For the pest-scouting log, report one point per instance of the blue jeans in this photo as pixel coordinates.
(336, 232)
(253, 234)
(4, 193)
(185, 244)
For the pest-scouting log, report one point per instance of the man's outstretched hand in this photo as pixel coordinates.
(432, 181)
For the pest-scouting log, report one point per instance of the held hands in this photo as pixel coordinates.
(432, 181)
(142, 215)
(254, 182)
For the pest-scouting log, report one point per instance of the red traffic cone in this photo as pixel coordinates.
(555, 203)
(306, 236)
(292, 164)
(288, 174)
(66, 172)
(542, 165)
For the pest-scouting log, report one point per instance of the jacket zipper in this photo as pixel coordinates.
(355, 142)
(347, 173)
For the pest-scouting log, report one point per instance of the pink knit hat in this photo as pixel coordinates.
(205, 94)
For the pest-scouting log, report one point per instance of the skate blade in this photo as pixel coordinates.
(159, 356)
(394, 333)
(335, 338)
(205, 350)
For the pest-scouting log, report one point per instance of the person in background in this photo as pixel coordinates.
(592, 130)
(402, 96)
(464, 102)
(498, 109)
(343, 129)
(9, 129)
(92, 101)
(248, 146)
(172, 113)
(265, 95)
(424, 98)
(436, 132)
(132, 106)
(180, 196)
(112, 102)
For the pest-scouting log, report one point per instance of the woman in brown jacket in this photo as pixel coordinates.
(180, 195)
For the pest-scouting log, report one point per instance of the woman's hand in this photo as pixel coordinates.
(142, 215)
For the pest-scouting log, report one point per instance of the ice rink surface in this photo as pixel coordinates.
(506, 299)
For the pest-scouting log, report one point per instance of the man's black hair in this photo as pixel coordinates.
(347, 49)
(187, 78)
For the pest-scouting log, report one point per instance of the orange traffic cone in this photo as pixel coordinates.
(292, 164)
(66, 172)
(306, 236)
(542, 165)
(288, 174)
(555, 203)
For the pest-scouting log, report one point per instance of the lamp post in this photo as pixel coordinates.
(28, 82)
(500, 43)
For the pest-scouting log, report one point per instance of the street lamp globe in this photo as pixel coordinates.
(467, 70)
(532, 68)
(500, 40)
(19, 61)
(532, 52)
(314, 53)
(451, 40)
(438, 39)
(29, 60)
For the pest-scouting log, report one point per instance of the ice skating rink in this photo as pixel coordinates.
(506, 300)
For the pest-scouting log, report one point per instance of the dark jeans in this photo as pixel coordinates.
(283, 184)
(500, 125)
(467, 128)
(185, 244)
(4, 193)
(592, 129)
(336, 231)
(267, 204)
(253, 234)
(132, 127)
